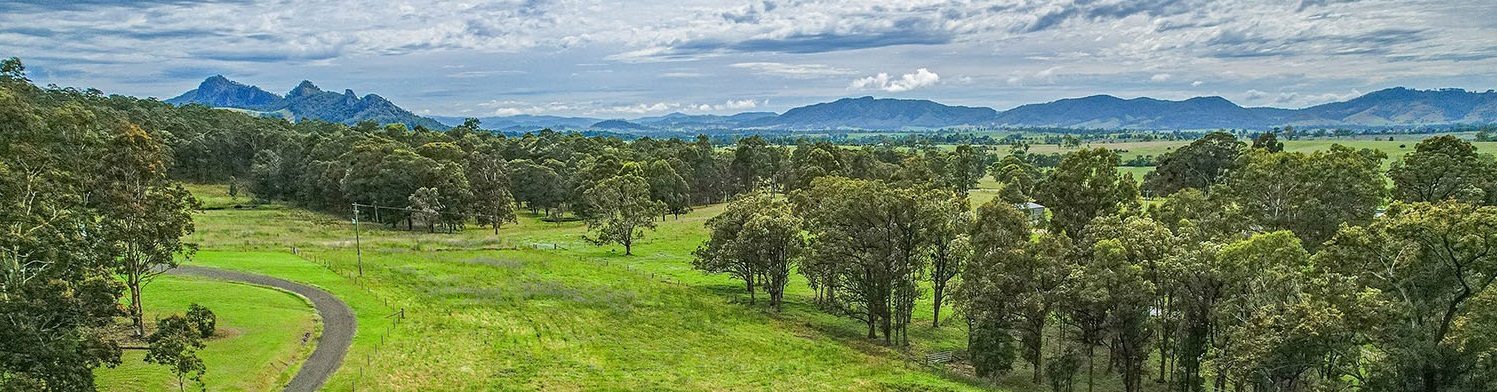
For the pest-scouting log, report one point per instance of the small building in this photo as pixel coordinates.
(1035, 210)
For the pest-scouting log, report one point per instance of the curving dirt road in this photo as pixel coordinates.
(338, 324)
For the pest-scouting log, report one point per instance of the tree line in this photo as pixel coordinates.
(1256, 269)
(90, 216)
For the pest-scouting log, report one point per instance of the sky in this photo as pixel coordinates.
(627, 59)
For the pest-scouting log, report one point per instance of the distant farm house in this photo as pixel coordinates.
(1035, 210)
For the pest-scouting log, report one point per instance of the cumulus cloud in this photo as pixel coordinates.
(910, 81)
(1163, 77)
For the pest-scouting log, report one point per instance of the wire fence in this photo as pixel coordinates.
(395, 318)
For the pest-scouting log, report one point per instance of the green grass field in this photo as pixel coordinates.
(577, 317)
(258, 346)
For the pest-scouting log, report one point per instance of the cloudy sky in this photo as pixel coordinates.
(624, 59)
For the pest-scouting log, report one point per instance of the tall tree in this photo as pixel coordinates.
(1085, 186)
(1279, 328)
(1200, 164)
(869, 242)
(426, 208)
(965, 166)
(623, 211)
(1445, 168)
(754, 160)
(1017, 176)
(990, 295)
(1268, 141)
(1117, 291)
(757, 238)
(667, 187)
(950, 250)
(57, 288)
(812, 161)
(1420, 267)
(143, 214)
(708, 174)
(1309, 194)
(538, 186)
(492, 200)
(1150, 246)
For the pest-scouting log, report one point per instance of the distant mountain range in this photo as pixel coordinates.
(303, 102)
(1394, 107)
(870, 113)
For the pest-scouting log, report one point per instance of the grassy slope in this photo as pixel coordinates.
(258, 345)
(579, 317)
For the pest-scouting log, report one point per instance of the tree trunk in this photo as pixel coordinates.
(136, 313)
(1091, 365)
(749, 282)
(1431, 382)
(935, 319)
(1038, 352)
(888, 327)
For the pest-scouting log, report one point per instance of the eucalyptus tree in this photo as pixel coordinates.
(143, 214)
(58, 291)
(622, 210)
(1200, 164)
(667, 187)
(949, 251)
(1086, 185)
(1425, 273)
(493, 201)
(1309, 194)
(869, 244)
(1445, 168)
(759, 240)
(992, 291)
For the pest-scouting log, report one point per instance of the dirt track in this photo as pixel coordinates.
(338, 324)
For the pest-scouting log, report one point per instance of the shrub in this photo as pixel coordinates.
(202, 320)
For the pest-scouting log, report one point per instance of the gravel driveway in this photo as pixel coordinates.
(338, 324)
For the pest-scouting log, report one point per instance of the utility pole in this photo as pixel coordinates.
(357, 246)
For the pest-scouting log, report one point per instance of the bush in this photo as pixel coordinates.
(992, 350)
(174, 345)
(1061, 370)
(202, 320)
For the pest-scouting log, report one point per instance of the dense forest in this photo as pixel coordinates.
(1251, 268)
